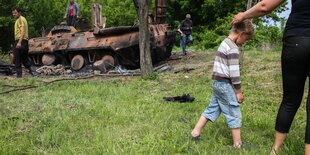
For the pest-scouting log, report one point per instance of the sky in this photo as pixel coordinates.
(287, 12)
(284, 14)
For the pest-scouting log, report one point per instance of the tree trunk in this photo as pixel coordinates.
(144, 39)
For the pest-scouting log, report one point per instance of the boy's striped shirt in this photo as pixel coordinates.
(226, 63)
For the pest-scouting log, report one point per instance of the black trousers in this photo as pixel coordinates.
(21, 57)
(71, 20)
(295, 61)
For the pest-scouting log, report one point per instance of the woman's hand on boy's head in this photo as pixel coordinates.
(238, 18)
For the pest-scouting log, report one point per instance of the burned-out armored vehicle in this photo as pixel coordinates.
(100, 46)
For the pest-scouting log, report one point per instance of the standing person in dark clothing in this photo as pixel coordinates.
(21, 43)
(185, 29)
(72, 13)
(295, 63)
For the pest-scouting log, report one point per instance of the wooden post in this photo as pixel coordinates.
(144, 39)
(249, 5)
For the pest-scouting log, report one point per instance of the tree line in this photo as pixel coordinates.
(211, 18)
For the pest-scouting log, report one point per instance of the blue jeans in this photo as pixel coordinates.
(185, 38)
(224, 100)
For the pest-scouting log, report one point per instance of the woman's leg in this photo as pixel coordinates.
(278, 142)
(294, 62)
(307, 149)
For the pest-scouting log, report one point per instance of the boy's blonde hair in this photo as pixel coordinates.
(245, 26)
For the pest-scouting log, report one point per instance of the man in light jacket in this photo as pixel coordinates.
(72, 13)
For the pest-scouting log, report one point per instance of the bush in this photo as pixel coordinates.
(266, 37)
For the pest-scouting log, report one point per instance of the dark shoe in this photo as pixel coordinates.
(195, 138)
(32, 71)
(19, 73)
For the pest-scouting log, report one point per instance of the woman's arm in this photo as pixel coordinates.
(260, 9)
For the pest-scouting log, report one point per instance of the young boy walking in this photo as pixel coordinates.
(226, 90)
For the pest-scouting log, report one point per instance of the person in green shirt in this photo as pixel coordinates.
(21, 47)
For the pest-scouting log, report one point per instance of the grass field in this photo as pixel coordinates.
(127, 115)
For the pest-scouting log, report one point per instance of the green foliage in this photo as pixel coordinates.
(212, 36)
(5, 21)
(153, 76)
(207, 39)
(43, 13)
(6, 24)
(119, 12)
(267, 37)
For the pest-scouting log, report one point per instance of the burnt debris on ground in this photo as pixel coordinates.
(177, 63)
(6, 69)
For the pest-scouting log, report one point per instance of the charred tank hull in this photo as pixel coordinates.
(114, 46)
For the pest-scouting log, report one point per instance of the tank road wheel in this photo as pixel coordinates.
(105, 64)
(48, 59)
(109, 60)
(77, 62)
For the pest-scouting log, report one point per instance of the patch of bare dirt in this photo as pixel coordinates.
(196, 62)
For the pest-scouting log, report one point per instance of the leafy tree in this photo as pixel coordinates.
(119, 12)
(6, 24)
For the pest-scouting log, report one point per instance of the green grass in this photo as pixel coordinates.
(129, 116)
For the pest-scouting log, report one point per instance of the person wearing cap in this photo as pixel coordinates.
(72, 13)
(185, 29)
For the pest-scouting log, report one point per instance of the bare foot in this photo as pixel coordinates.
(273, 152)
(195, 133)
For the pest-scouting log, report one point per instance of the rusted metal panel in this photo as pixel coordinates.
(97, 18)
(161, 10)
